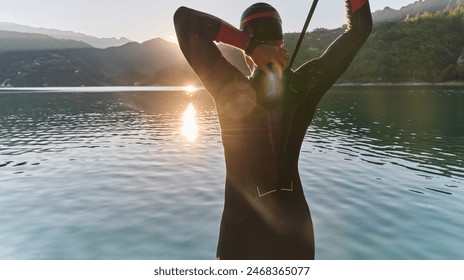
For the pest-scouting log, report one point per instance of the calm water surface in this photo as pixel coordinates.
(140, 175)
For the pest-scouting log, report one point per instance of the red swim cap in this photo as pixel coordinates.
(262, 21)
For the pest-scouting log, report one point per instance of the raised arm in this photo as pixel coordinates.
(326, 69)
(197, 32)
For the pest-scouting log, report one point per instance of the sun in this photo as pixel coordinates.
(190, 89)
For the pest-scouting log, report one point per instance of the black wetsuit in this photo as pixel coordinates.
(265, 215)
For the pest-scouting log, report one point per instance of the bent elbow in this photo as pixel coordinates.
(195, 25)
(180, 16)
(183, 24)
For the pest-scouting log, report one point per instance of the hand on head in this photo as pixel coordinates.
(265, 55)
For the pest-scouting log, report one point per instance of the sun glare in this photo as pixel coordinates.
(190, 89)
(190, 128)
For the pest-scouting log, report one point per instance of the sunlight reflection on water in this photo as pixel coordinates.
(190, 127)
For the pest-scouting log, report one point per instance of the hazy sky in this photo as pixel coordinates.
(142, 20)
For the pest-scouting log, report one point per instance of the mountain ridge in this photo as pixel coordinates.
(18, 41)
(411, 10)
(96, 42)
(130, 64)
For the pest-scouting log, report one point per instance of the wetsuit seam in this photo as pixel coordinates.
(291, 189)
(264, 194)
(288, 190)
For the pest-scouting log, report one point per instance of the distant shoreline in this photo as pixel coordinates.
(408, 84)
(101, 88)
(195, 88)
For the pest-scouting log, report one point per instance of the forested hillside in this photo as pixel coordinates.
(425, 48)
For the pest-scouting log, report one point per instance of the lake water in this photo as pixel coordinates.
(96, 174)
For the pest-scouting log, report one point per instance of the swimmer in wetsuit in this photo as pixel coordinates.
(263, 121)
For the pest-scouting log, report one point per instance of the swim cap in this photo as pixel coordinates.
(262, 21)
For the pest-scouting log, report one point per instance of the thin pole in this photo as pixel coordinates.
(303, 32)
